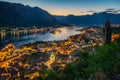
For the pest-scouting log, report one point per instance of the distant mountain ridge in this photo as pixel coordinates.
(14, 14)
(94, 19)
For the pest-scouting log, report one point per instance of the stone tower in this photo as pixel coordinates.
(107, 31)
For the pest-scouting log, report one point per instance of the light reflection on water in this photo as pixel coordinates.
(65, 33)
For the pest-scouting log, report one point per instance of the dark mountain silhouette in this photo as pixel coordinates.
(13, 14)
(94, 19)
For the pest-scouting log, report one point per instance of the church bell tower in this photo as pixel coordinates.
(107, 31)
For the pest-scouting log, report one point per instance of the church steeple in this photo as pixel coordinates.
(107, 31)
(107, 23)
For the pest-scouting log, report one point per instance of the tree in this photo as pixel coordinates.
(43, 73)
(101, 64)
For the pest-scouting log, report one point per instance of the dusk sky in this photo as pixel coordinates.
(66, 7)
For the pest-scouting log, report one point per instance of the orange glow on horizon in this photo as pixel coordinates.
(68, 12)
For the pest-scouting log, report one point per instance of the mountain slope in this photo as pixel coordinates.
(96, 18)
(13, 14)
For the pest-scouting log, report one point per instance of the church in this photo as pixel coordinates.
(107, 32)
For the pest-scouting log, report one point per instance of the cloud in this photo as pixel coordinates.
(112, 10)
(109, 10)
(117, 11)
(82, 12)
(91, 11)
(87, 12)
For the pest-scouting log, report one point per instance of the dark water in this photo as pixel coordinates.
(65, 33)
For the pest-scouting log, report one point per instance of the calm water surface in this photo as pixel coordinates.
(65, 33)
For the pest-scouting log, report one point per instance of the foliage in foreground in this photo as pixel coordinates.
(101, 64)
